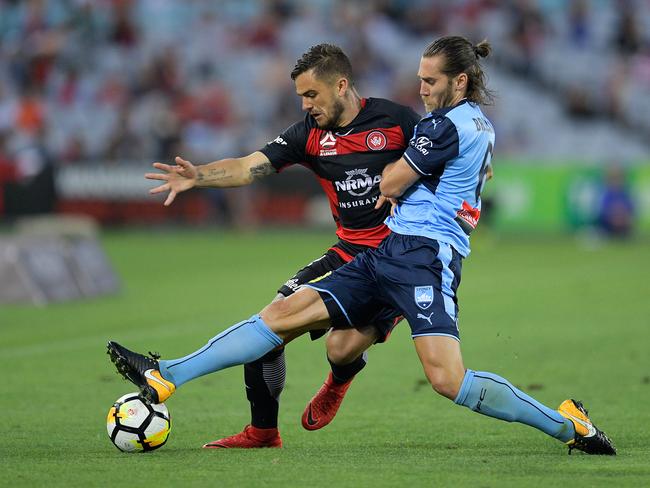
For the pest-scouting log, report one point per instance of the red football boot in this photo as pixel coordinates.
(251, 437)
(322, 408)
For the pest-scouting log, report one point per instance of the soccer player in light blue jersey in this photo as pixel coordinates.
(435, 189)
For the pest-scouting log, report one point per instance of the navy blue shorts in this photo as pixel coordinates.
(413, 276)
(328, 262)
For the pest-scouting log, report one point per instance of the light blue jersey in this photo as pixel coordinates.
(451, 149)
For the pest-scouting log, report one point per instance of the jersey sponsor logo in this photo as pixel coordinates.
(358, 182)
(423, 296)
(359, 203)
(427, 318)
(279, 140)
(327, 144)
(292, 284)
(421, 144)
(328, 140)
(467, 217)
(376, 140)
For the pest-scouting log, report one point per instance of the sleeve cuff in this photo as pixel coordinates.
(412, 164)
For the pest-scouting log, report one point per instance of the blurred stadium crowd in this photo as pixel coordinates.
(125, 80)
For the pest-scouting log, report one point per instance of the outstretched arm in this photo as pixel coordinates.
(225, 173)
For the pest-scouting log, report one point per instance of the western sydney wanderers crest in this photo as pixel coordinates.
(327, 144)
(423, 296)
(376, 140)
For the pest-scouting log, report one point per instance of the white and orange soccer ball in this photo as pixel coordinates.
(135, 425)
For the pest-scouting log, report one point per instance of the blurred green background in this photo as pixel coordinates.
(558, 197)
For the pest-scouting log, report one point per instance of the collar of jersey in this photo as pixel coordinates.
(441, 112)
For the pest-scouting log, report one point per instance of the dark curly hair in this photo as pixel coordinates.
(326, 60)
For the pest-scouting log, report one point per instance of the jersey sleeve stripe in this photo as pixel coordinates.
(410, 162)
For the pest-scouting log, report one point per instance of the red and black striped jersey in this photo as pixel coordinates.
(348, 162)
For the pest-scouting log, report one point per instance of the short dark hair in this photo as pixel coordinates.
(327, 60)
(461, 56)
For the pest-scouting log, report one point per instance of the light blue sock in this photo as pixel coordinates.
(242, 343)
(494, 396)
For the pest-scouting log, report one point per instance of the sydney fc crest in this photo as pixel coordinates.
(423, 296)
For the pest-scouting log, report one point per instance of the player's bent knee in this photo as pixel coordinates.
(295, 314)
(346, 345)
(341, 355)
(276, 313)
(443, 382)
(338, 351)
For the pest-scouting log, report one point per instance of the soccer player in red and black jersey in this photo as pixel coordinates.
(346, 141)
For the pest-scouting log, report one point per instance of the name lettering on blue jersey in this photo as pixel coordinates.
(483, 124)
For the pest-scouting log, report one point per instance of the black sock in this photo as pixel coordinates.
(344, 373)
(264, 382)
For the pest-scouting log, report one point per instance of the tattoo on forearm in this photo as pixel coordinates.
(212, 175)
(261, 170)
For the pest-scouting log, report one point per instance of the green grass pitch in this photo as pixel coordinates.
(556, 317)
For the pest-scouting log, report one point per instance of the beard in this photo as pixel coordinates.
(332, 122)
(444, 100)
(447, 97)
